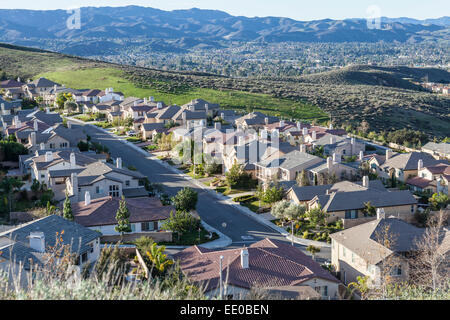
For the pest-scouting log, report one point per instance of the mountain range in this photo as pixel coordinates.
(209, 26)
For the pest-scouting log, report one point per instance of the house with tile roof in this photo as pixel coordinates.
(146, 214)
(403, 166)
(265, 264)
(431, 179)
(361, 250)
(28, 246)
(255, 120)
(103, 179)
(438, 150)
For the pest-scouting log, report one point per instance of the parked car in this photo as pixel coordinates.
(131, 133)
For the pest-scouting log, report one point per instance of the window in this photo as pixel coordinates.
(351, 214)
(353, 257)
(397, 271)
(145, 226)
(412, 208)
(63, 145)
(127, 183)
(323, 290)
(97, 189)
(84, 257)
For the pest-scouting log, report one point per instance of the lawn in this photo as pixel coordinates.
(101, 78)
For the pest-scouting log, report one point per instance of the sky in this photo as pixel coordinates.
(295, 9)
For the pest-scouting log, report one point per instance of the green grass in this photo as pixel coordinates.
(101, 78)
(190, 238)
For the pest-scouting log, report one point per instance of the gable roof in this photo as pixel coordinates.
(366, 240)
(44, 83)
(103, 211)
(19, 249)
(410, 161)
(272, 263)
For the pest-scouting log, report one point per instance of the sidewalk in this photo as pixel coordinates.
(226, 199)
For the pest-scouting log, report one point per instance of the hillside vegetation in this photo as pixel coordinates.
(384, 97)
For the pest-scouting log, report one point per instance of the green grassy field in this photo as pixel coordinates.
(101, 78)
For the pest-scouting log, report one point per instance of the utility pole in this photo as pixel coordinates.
(292, 232)
(220, 280)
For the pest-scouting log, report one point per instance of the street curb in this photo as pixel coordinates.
(223, 241)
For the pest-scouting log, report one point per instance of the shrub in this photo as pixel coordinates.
(185, 200)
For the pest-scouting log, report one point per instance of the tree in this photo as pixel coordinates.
(317, 216)
(369, 209)
(237, 178)
(313, 250)
(122, 218)
(185, 200)
(181, 222)
(439, 201)
(67, 209)
(429, 265)
(303, 180)
(9, 186)
(271, 194)
(70, 106)
(288, 211)
(362, 285)
(158, 259)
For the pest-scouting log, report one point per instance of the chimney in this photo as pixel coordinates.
(16, 122)
(327, 192)
(222, 115)
(87, 198)
(47, 110)
(281, 123)
(314, 135)
(33, 139)
(305, 131)
(159, 105)
(361, 155)
(111, 90)
(302, 148)
(3, 108)
(37, 241)
(420, 165)
(366, 182)
(241, 141)
(35, 125)
(206, 108)
(264, 134)
(73, 162)
(299, 126)
(48, 156)
(244, 258)
(217, 125)
(42, 146)
(145, 101)
(69, 125)
(266, 120)
(54, 88)
(152, 99)
(74, 180)
(332, 140)
(336, 158)
(119, 163)
(352, 141)
(381, 214)
(135, 103)
(184, 117)
(329, 163)
(388, 154)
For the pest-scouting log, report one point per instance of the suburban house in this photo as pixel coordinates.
(27, 246)
(10, 107)
(438, 150)
(302, 195)
(150, 130)
(403, 166)
(104, 179)
(432, 179)
(110, 95)
(202, 105)
(255, 120)
(286, 167)
(334, 144)
(56, 137)
(146, 214)
(39, 87)
(266, 264)
(362, 250)
(351, 205)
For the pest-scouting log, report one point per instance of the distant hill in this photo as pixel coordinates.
(384, 97)
(207, 26)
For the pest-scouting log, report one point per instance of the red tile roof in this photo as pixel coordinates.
(271, 263)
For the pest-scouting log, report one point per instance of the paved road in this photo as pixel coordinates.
(228, 220)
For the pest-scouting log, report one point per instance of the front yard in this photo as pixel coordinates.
(304, 229)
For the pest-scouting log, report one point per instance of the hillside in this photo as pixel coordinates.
(134, 22)
(355, 94)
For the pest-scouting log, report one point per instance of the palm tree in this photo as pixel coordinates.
(362, 285)
(9, 186)
(158, 258)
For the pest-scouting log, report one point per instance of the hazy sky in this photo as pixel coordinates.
(296, 9)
